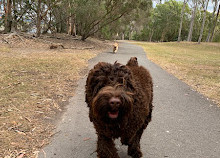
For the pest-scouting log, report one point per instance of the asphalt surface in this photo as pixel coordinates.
(185, 124)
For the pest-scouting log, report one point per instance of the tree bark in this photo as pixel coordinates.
(212, 20)
(71, 21)
(203, 22)
(14, 23)
(39, 18)
(8, 17)
(72, 25)
(213, 31)
(123, 36)
(189, 39)
(151, 35)
(181, 21)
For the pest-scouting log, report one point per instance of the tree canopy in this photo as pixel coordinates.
(164, 23)
(114, 19)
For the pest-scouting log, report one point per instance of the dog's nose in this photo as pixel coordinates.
(115, 102)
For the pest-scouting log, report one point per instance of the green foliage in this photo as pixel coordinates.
(143, 35)
(106, 33)
(132, 22)
(164, 22)
(112, 19)
(92, 15)
(217, 34)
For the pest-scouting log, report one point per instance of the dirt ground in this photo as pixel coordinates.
(38, 76)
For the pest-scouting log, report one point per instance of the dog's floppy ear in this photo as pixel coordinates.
(132, 62)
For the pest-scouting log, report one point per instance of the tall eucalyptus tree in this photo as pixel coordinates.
(181, 20)
(192, 20)
(214, 25)
(205, 5)
(212, 20)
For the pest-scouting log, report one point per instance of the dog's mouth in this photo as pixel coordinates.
(113, 114)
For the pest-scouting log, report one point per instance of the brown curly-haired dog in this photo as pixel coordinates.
(119, 98)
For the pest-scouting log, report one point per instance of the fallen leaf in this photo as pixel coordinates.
(19, 132)
(21, 155)
(85, 139)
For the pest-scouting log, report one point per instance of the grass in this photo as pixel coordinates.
(196, 64)
(33, 88)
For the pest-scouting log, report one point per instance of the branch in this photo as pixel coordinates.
(25, 11)
(113, 10)
(103, 25)
(95, 23)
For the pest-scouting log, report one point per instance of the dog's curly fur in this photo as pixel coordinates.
(119, 98)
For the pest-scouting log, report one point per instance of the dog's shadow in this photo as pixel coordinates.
(111, 53)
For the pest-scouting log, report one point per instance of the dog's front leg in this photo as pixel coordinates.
(134, 149)
(106, 148)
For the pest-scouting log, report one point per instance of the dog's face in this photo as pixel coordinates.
(112, 103)
(110, 91)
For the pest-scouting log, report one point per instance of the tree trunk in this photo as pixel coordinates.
(84, 37)
(14, 22)
(123, 36)
(48, 26)
(212, 20)
(181, 21)
(151, 35)
(8, 17)
(203, 22)
(189, 39)
(71, 21)
(213, 31)
(72, 25)
(39, 18)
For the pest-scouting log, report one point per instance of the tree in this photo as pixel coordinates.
(165, 21)
(192, 20)
(181, 21)
(204, 18)
(38, 25)
(92, 15)
(113, 19)
(133, 24)
(8, 16)
(212, 20)
(14, 21)
(42, 12)
(60, 17)
(71, 22)
(213, 31)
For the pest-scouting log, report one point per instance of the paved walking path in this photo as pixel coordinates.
(184, 123)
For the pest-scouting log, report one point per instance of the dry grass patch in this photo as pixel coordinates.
(33, 90)
(197, 65)
(35, 84)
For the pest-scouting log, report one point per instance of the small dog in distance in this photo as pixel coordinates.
(115, 47)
